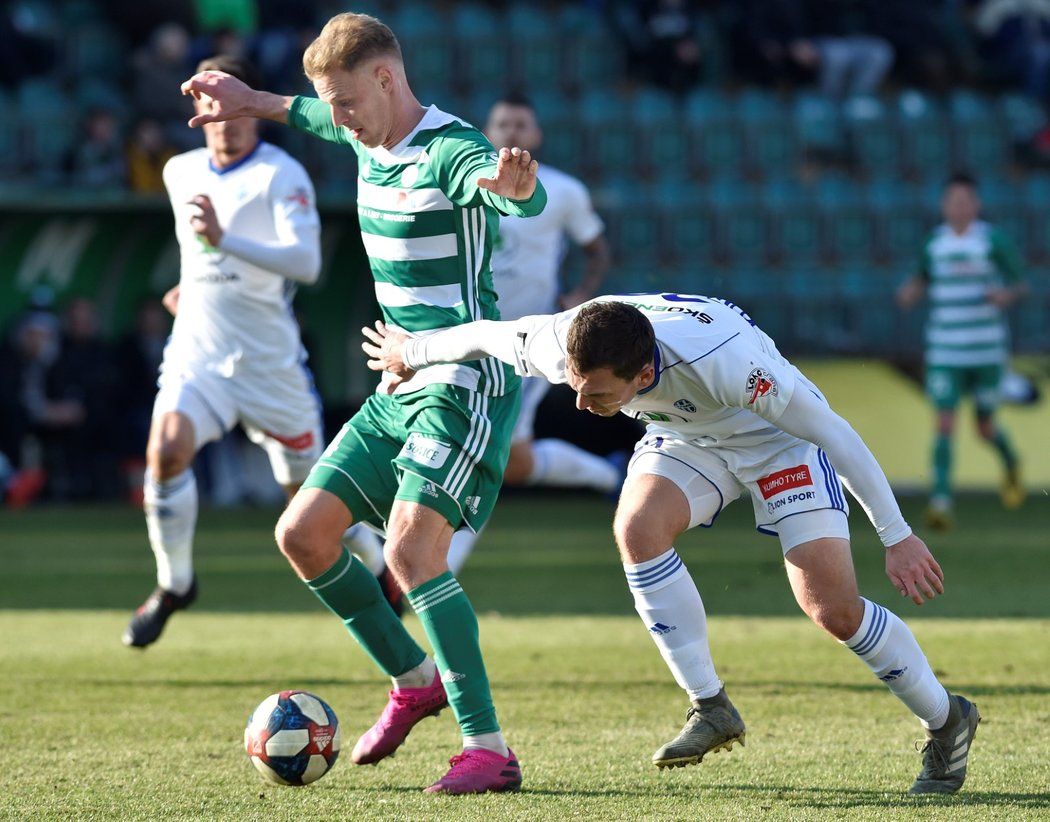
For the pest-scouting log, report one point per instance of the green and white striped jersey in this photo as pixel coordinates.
(428, 230)
(964, 328)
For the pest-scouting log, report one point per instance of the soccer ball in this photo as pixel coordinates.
(292, 738)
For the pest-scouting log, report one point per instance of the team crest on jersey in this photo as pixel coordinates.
(299, 197)
(760, 383)
(685, 405)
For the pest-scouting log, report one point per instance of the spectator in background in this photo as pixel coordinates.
(662, 40)
(158, 70)
(1015, 39)
(146, 153)
(97, 160)
(812, 38)
(84, 374)
(971, 273)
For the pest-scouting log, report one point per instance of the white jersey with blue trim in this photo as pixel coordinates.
(720, 380)
(234, 315)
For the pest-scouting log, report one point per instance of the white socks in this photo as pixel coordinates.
(171, 518)
(669, 604)
(559, 463)
(487, 742)
(367, 546)
(886, 645)
(459, 549)
(419, 677)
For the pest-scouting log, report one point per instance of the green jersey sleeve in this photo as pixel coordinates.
(1006, 257)
(466, 155)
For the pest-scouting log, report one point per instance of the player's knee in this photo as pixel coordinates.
(167, 458)
(840, 619)
(293, 537)
(636, 538)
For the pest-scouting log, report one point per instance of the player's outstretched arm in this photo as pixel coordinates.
(515, 177)
(913, 570)
(231, 98)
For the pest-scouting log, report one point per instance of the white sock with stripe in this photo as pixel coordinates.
(171, 518)
(669, 604)
(887, 646)
(562, 464)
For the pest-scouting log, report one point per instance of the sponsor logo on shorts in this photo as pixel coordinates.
(785, 480)
(472, 504)
(426, 450)
(761, 383)
(429, 489)
(685, 405)
(299, 442)
(802, 496)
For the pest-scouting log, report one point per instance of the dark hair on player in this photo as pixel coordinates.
(961, 178)
(610, 335)
(240, 67)
(515, 97)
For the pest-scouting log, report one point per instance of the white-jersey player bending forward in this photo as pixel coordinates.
(727, 416)
(526, 271)
(248, 233)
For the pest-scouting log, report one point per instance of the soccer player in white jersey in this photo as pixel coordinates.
(427, 459)
(727, 416)
(971, 273)
(526, 271)
(248, 234)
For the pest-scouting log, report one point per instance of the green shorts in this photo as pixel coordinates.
(443, 446)
(946, 384)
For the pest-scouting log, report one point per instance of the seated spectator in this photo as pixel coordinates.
(813, 37)
(662, 41)
(158, 70)
(96, 161)
(1015, 39)
(145, 155)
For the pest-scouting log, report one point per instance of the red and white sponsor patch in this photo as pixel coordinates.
(299, 442)
(760, 383)
(785, 480)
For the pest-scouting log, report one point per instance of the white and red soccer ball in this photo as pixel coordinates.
(292, 738)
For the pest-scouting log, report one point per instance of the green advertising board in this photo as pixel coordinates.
(121, 252)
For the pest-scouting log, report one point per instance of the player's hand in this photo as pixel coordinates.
(383, 348)
(222, 96)
(515, 176)
(913, 570)
(1001, 297)
(204, 222)
(170, 300)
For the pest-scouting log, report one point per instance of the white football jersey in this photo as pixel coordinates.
(716, 371)
(234, 316)
(528, 254)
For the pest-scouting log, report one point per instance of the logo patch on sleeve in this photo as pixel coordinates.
(426, 450)
(761, 383)
(785, 480)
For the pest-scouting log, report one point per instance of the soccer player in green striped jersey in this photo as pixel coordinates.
(427, 458)
(971, 273)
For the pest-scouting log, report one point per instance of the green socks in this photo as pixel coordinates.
(452, 627)
(352, 593)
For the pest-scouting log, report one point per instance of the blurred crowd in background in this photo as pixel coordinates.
(803, 135)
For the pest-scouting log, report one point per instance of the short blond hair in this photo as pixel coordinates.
(347, 41)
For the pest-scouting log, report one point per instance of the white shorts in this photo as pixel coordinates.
(794, 489)
(280, 412)
(533, 390)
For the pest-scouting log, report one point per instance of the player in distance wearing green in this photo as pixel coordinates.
(970, 272)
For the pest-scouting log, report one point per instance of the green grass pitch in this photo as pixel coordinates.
(90, 730)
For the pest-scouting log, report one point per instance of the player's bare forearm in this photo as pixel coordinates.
(913, 570)
(230, 99)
